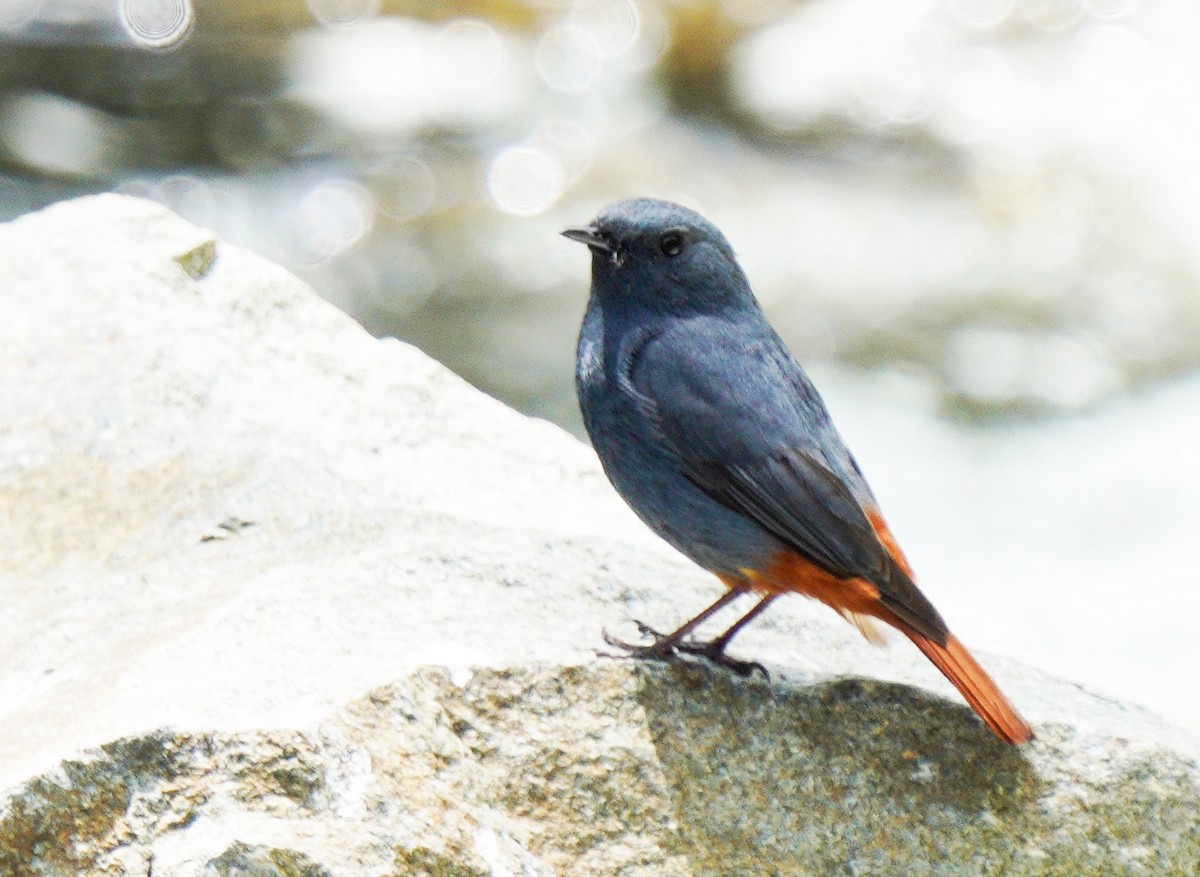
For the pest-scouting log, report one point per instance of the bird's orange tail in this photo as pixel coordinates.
(976, 686)
(859, 601)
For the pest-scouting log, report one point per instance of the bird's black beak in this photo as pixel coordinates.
(591, 236)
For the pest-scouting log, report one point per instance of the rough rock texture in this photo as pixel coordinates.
(603, 769)
(335, 611)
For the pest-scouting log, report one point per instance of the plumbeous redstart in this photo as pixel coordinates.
(710, 430)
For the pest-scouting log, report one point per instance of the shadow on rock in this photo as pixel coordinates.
(845, 776)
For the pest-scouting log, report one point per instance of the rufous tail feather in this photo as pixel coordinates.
(976, 686)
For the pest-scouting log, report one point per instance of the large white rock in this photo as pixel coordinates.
(226, 505)
(228, 511)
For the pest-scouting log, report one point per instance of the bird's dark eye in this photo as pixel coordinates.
(671, 243)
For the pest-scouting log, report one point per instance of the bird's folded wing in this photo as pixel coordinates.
(803, 504)
(743, 440)
(798, 501)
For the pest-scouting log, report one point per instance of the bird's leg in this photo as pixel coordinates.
(666, 645)
(714, 649)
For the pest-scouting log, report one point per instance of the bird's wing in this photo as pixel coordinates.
(748, 430)
(792, 496)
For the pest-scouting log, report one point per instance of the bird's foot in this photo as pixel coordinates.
(714, 652)
(661, 647)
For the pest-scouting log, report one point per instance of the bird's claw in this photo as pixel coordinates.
(646, 630)
(663, 648)
(714, 651)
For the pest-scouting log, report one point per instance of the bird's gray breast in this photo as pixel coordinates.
(645, 469)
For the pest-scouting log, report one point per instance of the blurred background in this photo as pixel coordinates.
(977, 222)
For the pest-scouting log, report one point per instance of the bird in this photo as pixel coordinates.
(710, 430)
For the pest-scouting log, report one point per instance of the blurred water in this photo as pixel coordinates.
(979, 220)
(1061, 543)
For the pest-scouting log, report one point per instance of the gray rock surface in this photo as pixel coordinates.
(281, 598)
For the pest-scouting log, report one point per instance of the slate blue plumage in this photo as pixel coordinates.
(711, 431)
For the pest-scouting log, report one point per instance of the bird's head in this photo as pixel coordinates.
(662, 256)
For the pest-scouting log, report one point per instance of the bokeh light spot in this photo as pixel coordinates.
(191, 198)
(138, 187)
(1072, 371)
(395, 76)
(1110, 8)
(567, 58)
(343, 13)
(613, 25)
(469, 53)
(988, 363)
(405, 187)
(333, 217)
(157, 24)
(1052, 15)
(411, 277)
(904, 81)
(983, 13)
(525, 181)
(981, 96)
(572, 143)
(998, 365)
(56, 135)
(370, 77)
